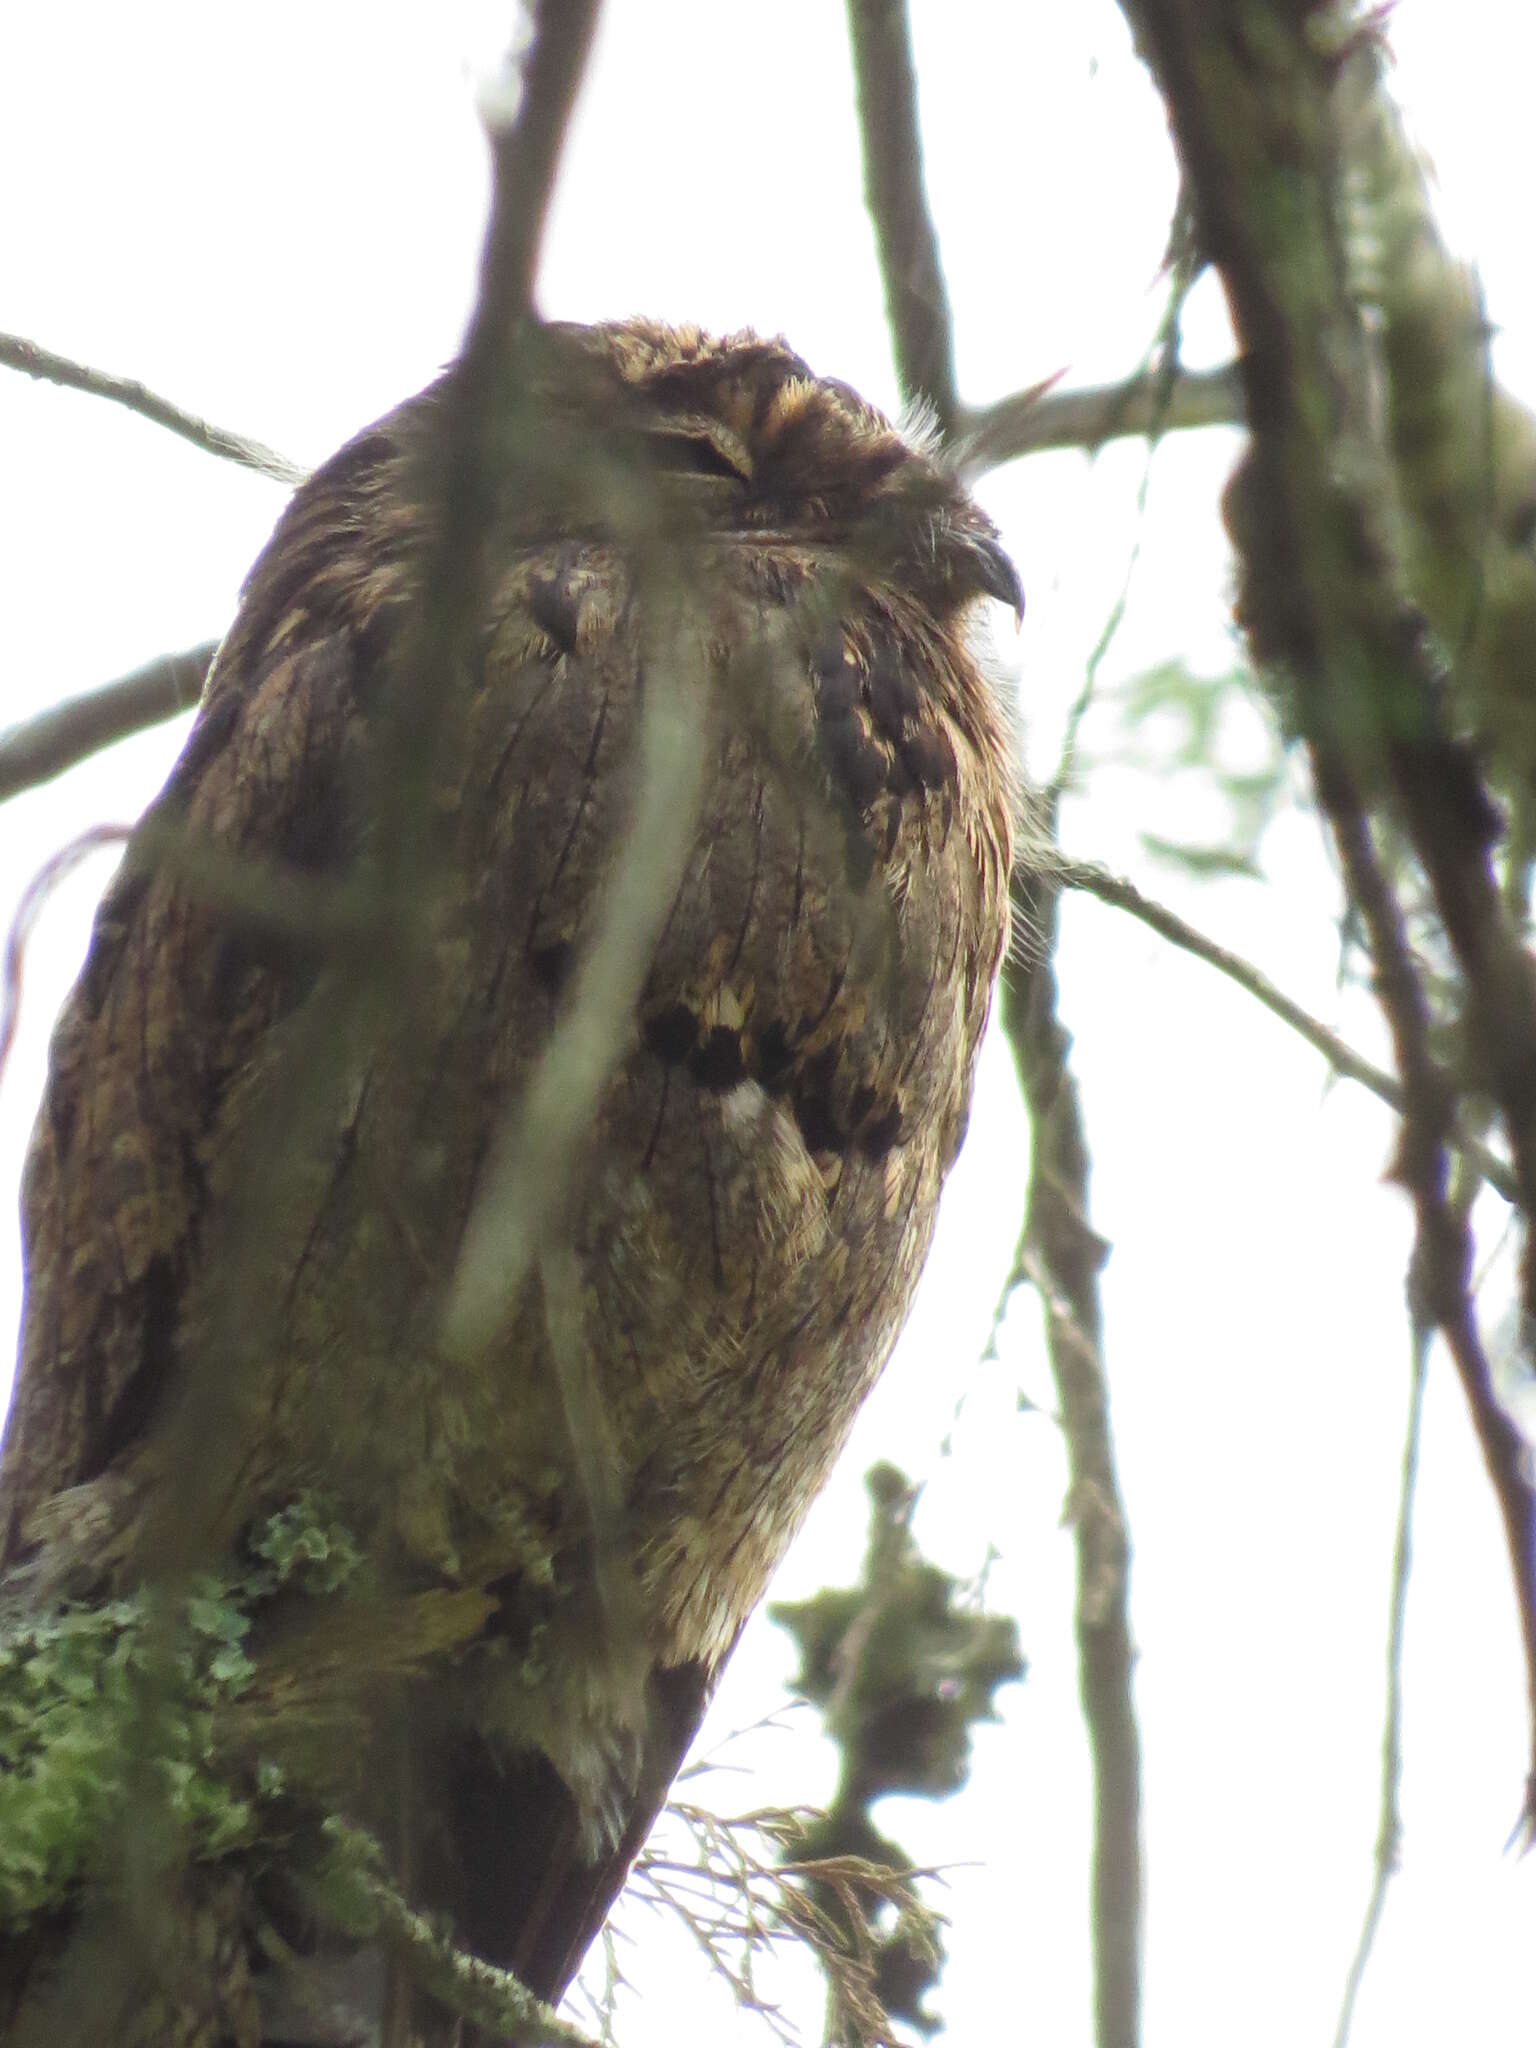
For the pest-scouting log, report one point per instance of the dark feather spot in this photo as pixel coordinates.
(839, 686)
(838, 693)
(929, 757)
(811, 1098)
(1521, 526)
(899, 779)
(773, 1055)
(551, 965)
(718, 1062)
(894, 696)
(857, 762)
(827, 653)
(555, 602)
(373, 644)
(876, 1139)
(817, 1129)
(672, 1033)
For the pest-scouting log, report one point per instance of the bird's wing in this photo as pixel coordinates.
(177, 993)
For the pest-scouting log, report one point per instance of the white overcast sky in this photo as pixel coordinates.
(273, 214)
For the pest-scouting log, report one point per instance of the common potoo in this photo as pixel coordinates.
(269, 1124)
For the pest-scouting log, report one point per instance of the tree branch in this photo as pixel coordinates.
(1439, 1282)
(474, 1990)
(1060, 1253)
(1390, 1828)
(48, 877)
(1258, 120)
(1057, 1248)
(526, 115)
(1115, 890)
(483, 423)
(17, 353)
(68, 733)
(1324, 596)
(1030, 422)
(916, 299)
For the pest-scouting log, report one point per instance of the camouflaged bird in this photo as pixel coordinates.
(261, 1146)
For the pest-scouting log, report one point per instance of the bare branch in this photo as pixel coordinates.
(1439, 1284)
(526, 116)
(1060, 1253)
(916, 299)
(483, 406)
(1029, 422)
(34, 896)
(17, 353)
(68, 733)
(1115, 890)
(1390, 1830)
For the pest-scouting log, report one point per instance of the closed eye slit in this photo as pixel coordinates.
(691, 455)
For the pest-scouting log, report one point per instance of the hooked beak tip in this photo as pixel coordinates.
(999, 578)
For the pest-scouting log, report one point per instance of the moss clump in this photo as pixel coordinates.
(104, 1704)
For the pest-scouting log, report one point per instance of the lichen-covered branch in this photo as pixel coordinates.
(1440, 1274)
(468, 1987)
(1264, 101)
(1252, 95)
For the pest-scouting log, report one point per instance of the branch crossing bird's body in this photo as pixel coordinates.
(259, 1154)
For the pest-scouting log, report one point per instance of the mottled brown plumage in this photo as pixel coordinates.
(250, 1182)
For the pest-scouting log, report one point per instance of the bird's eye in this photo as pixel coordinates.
(692, 455)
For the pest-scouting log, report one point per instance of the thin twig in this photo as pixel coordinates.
(1122, 894)
(34, 896)
(1061, 1249)
(17, 353)
(916, 300)
(1030, 422)
(1440, 1274)
(484, 398)
(536, 1152)
(1060, 1252)
(1389, 1832)
(1077, 711)
(68, 733)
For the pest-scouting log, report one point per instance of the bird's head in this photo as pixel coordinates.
(750, 442)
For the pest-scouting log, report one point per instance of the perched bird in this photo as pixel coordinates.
(271, 1121)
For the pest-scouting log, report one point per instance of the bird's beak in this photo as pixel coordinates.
(996, 575)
